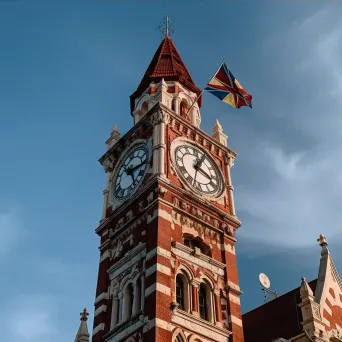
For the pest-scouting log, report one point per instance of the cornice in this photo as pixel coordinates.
(202, 256)
(145, 123)
(195, 322)
(197, 130)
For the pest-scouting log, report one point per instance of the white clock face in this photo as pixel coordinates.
(130, 172)
(198, 170)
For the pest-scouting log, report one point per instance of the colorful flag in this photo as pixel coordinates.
(227, 88)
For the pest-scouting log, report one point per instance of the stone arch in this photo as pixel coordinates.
(207, 278)
(186, 275)
(187, 270)
(178, 335)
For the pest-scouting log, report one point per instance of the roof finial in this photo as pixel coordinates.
(322, 240)
(84, 315)
(166, 27)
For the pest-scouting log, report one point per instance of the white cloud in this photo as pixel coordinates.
(300, 168)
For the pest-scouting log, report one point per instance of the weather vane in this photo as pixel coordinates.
(166, 27)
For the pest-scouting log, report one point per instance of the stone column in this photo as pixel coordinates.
(135, 298)
(114, 318)
(121, 296)
(229, 164)
(195, 300)
(177, 104)
(159, 120)
(218, 306)
(142, 290)
(105, 193)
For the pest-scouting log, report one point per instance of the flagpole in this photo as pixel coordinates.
(201, 93)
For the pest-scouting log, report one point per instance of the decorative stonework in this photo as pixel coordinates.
(194, 222)
(200, 327)
(158, 117)
(200, 260)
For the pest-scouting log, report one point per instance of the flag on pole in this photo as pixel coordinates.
(227, 88)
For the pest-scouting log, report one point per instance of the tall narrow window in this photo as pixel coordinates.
(203, 310)
(180, 292)
(128, 302)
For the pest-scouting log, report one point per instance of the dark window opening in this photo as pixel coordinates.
(192, 243)
(203, 303)
(180, 292)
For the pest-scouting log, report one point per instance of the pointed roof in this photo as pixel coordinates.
(166, 63)
(82, 333)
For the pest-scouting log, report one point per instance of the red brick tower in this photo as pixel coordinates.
(167, 254)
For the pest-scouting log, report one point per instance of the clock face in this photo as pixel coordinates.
(198, 170)
(130, 172)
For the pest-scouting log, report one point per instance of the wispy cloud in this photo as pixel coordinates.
(300, 167)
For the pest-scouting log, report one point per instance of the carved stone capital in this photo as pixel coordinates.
(217, 292)
(108, 165)
(158, 117)
(195, 283)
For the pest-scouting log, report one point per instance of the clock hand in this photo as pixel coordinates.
(203, 173)
(200, 161)
(130, 170)
(193, 181)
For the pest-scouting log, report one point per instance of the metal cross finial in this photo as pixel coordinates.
(84, 315)
(322, 240)
(166, 27)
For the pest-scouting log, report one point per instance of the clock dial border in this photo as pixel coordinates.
(113, 199)
(217, 195)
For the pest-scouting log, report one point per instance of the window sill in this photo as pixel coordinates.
(200, 326)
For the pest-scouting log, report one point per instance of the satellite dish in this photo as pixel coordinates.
(264, 281)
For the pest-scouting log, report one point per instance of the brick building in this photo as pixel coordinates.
(311, 312)
(167, 269)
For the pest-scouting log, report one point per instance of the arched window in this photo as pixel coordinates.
(173, 105)
(144, 108)
(203, 309)
(206, 302)
(183, 291)
(183, 109)
(128, 302)
(179, 338)
(138, 299)
(180, 292)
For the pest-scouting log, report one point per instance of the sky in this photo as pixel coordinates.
(67, 69)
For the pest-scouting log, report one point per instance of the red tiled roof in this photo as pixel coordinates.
(278, 318)
(166, 63)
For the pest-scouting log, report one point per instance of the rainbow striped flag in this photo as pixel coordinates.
(227, 88)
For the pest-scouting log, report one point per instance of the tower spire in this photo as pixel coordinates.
(82, 334)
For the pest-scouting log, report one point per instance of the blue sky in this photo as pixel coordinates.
(67, 69)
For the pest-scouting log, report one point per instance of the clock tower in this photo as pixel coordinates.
(167, 269)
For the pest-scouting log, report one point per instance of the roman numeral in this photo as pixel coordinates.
(196, 153)
(121, 193)
(189, 178)
(197, 185)
(182, 169)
